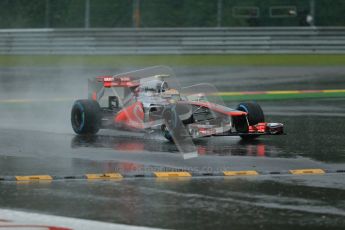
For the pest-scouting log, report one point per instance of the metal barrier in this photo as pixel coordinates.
(289, 40)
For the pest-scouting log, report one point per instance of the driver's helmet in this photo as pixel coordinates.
(162, 86)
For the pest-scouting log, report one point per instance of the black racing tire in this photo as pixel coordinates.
(86, 117)
(255, 115)
(254, 112)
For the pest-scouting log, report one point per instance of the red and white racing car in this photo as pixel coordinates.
(150, 100)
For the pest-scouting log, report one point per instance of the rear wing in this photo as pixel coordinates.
(111, 81)
(96, 86)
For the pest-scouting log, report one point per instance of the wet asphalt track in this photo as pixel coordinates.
(36, 138)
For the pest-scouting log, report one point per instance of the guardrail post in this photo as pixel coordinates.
(87, 14)
(219, 12)
(136, 13)
(47, 14)
(312, 12)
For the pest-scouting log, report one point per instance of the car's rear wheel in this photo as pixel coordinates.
(255, 115)
(86, 117)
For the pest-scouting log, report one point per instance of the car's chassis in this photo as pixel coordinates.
(148, 104)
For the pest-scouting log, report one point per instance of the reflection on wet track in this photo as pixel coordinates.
(225, 147)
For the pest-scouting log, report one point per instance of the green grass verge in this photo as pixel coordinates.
(281, 96)
(174, 60)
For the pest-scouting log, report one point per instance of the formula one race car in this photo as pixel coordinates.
(150, 100)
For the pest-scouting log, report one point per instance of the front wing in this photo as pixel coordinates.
(254, 130)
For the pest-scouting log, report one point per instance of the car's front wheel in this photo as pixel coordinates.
(255, 115)
(86, 117)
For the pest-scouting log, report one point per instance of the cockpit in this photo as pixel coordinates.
(158, 88)
(153, 86)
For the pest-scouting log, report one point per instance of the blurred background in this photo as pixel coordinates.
(167, 13)
(127, 27)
